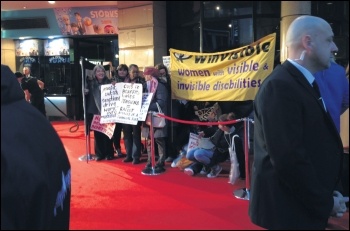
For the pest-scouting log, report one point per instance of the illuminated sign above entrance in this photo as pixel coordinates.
(87, 21)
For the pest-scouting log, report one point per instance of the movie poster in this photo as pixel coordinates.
(56, 47)
(29, 47)
(88, 20)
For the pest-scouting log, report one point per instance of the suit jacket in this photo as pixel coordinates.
(297, 154)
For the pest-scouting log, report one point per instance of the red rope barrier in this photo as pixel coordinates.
(199, 123)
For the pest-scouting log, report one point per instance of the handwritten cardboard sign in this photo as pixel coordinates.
(193, 141)
(107, 128)
(121, 103)
(146, 101)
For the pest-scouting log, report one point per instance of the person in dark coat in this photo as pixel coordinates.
(33, 89)
(132, 133)
(103, 144)
(173, 106)
(297, 149)
(121, 76)
(35, 169)
(160, 95)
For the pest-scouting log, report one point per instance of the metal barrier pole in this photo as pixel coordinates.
(88, 156)
(153, 158)
(244, 192)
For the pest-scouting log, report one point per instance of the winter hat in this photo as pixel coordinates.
(151, 71)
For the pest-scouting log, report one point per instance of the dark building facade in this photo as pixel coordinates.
(231, 24)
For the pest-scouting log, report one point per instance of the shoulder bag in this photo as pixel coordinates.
(234, 170)
(158, 122)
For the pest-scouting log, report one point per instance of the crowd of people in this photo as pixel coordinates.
(288, 166)
(296, 145)
(168, 140)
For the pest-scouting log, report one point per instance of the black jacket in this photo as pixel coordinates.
(297, 154)
(35, 170)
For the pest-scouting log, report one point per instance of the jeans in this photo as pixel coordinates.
(132, 140)
(201, 155)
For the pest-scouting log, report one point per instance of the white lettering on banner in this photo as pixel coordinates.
(104, 14)
(121, 103)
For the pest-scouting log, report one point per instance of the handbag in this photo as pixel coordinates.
(158, 122)
(234, 170)
(183, 162)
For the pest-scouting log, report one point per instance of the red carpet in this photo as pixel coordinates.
(115, 195)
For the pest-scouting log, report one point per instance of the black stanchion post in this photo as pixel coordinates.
(244, 192)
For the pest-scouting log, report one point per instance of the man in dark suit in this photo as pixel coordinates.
(297, 148)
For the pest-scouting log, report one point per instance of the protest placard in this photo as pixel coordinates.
(106, 128)
(146, 101)
(121, 103)
(193, 141)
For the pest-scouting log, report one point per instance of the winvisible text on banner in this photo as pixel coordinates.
(233, 75)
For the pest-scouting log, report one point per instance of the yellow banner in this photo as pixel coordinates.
(233, 75)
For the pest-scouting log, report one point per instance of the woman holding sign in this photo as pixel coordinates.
(132, 133)
(103, 144)
(121, 75)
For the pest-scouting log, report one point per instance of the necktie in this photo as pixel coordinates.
(317, 90)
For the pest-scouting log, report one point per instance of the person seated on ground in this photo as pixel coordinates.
(181, 161)
(241, 109)
(220, 142)
(223, 141)
(182, 132)
(204, 152)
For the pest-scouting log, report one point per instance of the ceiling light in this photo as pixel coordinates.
(51, 2)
